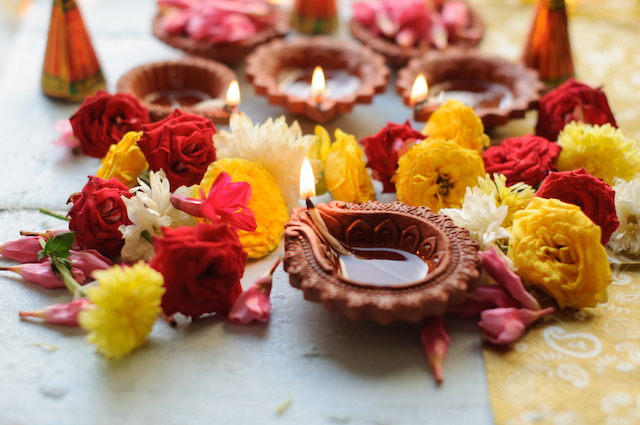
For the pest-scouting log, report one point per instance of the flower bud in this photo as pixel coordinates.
(60, 314)
(89, 260)
(435, 342)
(23, 250)
(483, 298)
(42, 274)
(505, 325)
(254, 303)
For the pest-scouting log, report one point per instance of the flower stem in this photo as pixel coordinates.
(71, 283)
(147, 236)
(52, 214)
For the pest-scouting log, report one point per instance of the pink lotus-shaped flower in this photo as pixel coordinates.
(227, 201)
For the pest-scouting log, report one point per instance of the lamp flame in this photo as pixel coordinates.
(317, 84)
(307, 180)
(233, 94)
(419, 90)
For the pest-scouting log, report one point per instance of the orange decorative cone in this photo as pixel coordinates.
(71, 69)
(315, 16)
(548, 49)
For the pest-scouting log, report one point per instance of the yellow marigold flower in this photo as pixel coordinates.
(602, 150)
(124, 161)
(317, 154)
(515, 197)
(436, 173)
(127, 303)
(455, 121)
(557, 248)
(267, 203)
(345, 172)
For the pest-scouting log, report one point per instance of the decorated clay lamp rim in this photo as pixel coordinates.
(208, 76)
(267, 60)
(399, 56)
(231, 53)
(471, 64)
(312, 265)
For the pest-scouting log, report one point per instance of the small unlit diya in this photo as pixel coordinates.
(498, 90)
(318, 77)
(402, 263)
(196, 85)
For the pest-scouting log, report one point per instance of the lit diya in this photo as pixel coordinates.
(317, 77)
(380, 262)
(196, 85)
(496, 89)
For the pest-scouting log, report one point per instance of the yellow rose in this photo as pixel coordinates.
(436, 173)
(267, 203)
(455, 121)
(124, 161)
(556, 247)
(345, 173)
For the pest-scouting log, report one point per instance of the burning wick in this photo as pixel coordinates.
(233, 97)
(317, 85)
(307, 190)
(419, 92)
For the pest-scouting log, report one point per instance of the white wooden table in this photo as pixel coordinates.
(335, 371)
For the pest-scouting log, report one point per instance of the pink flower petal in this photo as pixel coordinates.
(498, 269)
(66, 139)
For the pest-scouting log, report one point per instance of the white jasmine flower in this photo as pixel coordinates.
(627, 236)
(150, 210)
(279, 148)
(480, 216)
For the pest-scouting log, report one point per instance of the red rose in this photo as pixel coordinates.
(202, 267)
(591, 194)
(181, 145)
(384, 149)
(525, 159)
(97, 213)
(103, 119)
(572, 101)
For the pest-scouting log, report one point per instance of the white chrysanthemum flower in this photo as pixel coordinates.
(150, 210)
(627, 237)
(280, 149)
(480, 216)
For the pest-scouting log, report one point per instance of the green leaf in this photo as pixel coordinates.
(59, 245)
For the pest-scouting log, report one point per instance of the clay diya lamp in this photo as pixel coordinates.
(282, 70)
(398, 56)
(231, 53)
(497, 89)
(367, 288)
(196, 85)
